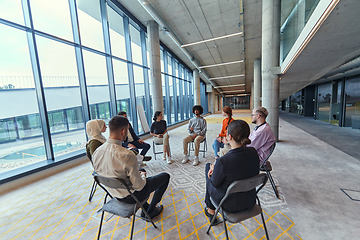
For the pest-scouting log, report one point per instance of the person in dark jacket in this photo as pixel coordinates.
(239, 163)
(134, 142)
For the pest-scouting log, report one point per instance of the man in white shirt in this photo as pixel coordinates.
(113, 160)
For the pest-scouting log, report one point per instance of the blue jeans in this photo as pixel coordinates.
(144, 146)
(216, 146)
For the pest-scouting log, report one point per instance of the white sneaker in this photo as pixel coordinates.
(196, 161)
(169, 160)
(164, 158)
(185, 160)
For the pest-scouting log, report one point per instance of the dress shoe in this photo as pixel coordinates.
(210, 217)
(147, 158)
(153, 214)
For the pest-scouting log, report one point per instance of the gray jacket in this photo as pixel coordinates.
(199, 125)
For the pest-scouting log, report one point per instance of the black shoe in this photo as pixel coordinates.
(210, 217)
(146, 158)
(153, 214)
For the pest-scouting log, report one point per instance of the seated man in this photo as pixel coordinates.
(262, 137)
(197, 131)
(134, 142)
(113, 160)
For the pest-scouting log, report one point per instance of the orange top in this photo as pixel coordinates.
(224, 127)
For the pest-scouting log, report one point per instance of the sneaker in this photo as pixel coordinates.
(185, 160)
(169, 160)
(196, 161)
(147, 158)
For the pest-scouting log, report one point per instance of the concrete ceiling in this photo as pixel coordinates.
(336, 42)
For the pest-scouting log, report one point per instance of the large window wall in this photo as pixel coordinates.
(64, 64)
(336, 102)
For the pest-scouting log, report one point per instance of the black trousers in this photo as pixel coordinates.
(158, 183)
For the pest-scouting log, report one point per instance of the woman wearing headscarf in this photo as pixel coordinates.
(94, 130)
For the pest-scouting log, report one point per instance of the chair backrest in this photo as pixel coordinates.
(111, 182)
(272, 148)
(248, 184)
(245, 185)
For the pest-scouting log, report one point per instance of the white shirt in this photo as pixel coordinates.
(113, 160)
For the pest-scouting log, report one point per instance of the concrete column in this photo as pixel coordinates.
(252, 96)
(212, 102)
(197, 99)
(270, 51)
(257, 83)
(155, 66)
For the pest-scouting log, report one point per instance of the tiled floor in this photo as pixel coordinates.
(57, 207)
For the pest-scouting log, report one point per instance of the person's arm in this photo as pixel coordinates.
(217, 176)
(134, 136)
(92, 146)
(203, 128)
(137, 179)
(190, 126)
(223, 128)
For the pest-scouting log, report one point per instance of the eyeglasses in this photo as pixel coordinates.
(254, 114)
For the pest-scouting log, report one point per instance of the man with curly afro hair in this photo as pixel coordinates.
(197, 132)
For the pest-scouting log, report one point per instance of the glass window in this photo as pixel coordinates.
(20, 128)
(117, 39)
(352, 104)
(122, 87)
(324, 98)
(140, 91)
(162, 60)
(61, 87)
(91, 32)
(135, 45)
(12, 11)
(164, 96)
(169, 65)
(97, 84)
(52, 18)
(172, 100)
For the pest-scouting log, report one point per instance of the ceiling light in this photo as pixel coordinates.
(220, 64)
(212, 39)
(240, 75)
(242, 84)
(241, 90)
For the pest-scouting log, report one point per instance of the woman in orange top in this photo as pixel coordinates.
(218, 143)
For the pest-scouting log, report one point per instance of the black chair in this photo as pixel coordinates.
(154, 150)
(241, 186)
(192, 148)
(115, 207)
(266, 167)
(93, 188)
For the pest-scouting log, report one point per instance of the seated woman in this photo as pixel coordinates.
(158, 131)
(240, 162)
(218, 143)
(94, 130)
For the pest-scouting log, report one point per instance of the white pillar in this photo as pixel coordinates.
(197, 99)
(269, 59)
(257, 83)
(155, 66)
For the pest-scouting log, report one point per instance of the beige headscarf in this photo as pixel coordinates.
(93, 130)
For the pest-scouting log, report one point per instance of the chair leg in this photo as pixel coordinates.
(266, 232)
(93, 190)
(226, 233)
(148, 216)
(132, 226)
(101, 221)
(272, 184)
